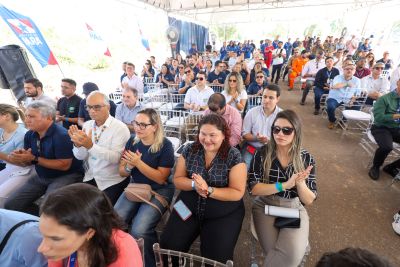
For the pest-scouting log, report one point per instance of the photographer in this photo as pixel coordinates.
(278, 57)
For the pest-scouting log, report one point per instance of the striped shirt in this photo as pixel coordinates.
(280, 174)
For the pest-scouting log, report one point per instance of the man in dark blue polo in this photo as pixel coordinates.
(217, 77)
(48, 147)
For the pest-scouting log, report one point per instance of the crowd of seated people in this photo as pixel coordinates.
(111, 147)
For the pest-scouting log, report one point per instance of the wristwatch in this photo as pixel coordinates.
(35, 160)
(210, 190)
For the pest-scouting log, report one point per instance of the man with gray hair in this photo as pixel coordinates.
(130, 106)
(48, 147)
(100, 144)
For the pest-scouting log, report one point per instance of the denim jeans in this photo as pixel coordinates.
(247, 157)
(24, 199)
(331, 105)
(318, 92)
(144, 219)
(309, 85)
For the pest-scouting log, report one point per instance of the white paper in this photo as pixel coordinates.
(282, 212)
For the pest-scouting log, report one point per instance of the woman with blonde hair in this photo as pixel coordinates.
(148, 159)
(234, 91)
(282, 174)
(12, 134)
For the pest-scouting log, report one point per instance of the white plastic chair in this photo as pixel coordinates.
(253, 101)
(217, 88)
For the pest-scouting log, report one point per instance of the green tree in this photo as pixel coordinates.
(225, 32)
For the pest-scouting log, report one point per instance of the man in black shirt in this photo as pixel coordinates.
(217, 77)
(68, 106)
(322, 82)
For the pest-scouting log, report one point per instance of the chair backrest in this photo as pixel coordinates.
(140, 243)
(156, 101)
(147, 80)
(192, 121)
(183, 258)
(115, 96)
(253, 101)
(217, 88)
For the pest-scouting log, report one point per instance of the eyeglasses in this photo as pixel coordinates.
(379, 68)
(180, 67)
(199, 78)
(285, 130)
(260, 77)
(188, 71)
(141, 125)
(232, 81)
(94, 107)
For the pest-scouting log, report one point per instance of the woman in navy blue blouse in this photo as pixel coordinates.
(212, 178)
(165, 77)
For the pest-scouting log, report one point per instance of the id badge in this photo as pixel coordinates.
(182, 210)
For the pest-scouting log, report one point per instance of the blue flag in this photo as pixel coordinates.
(30, 36)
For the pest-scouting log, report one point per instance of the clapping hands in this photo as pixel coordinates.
(80, 138)
(298, 178)
(131, 159)
(200, 185)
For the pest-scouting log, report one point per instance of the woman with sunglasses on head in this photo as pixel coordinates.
(234, 91)
(81, 229)
(148, 159)
(282, 174)
(212, 177)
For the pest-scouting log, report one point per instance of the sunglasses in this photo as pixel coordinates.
(260, 77)
(199, 78)
(232, 81)
(285, 130)
(94, 107)
(180, 67)
(188, 71)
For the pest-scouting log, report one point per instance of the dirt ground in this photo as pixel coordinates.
(351, 209)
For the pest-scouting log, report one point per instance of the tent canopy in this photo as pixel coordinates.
(242, 11)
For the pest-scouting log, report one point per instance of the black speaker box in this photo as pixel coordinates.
(15, 68)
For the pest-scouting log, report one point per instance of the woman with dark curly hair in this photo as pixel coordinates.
(212, 177)
(81, 229)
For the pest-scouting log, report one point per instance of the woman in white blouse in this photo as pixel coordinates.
(234, 91)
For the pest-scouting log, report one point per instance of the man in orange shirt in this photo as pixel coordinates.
(297, 67)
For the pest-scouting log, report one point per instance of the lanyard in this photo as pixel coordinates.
(328, 73)
(72, 259)
(38, 146)
(97, 137)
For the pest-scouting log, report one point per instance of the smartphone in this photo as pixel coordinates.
(182, 210)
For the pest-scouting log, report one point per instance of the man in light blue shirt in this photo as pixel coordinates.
(21, 248)
(344, 88)
(130, 106)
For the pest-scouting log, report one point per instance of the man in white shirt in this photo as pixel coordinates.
(278, 57)
(196, 98)
(310, 71)
(374, 84)
(34, 91)
(258, 122)
(100, 144)
(132, 80)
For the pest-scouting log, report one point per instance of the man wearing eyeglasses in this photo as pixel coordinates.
(217, 77)
(310, 71)
(68, 106)
(256, 87)
(343, 89)
(100, 144)
(196, 98)
(375, 84)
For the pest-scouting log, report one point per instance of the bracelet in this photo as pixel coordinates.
(127, 169)
(193, 185)
(278, 186)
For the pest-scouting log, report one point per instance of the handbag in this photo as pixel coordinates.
(282, 222)
(142, 193)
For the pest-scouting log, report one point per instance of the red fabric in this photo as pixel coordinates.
(128, 252)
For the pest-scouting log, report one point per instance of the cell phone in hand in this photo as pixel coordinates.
(182, 210)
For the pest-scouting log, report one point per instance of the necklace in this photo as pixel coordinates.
(97, 137)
